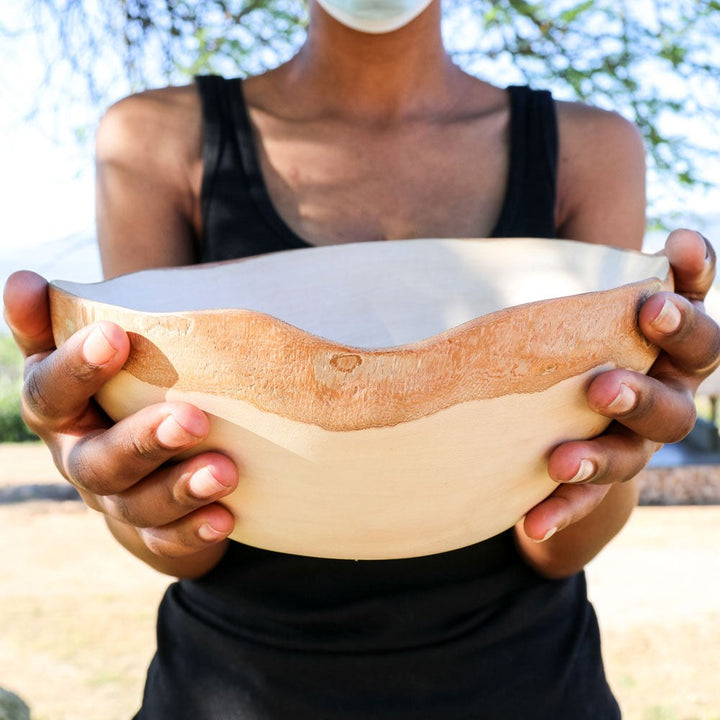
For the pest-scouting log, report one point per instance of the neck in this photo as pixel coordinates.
(374, 77)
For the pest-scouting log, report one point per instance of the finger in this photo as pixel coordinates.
(615, 456)
(172, 492)
(567, 505)
(661, 410)
(27, 312)
(194, 533)
(58, 386)
(689, 336)
(110, 462)
(693, 262)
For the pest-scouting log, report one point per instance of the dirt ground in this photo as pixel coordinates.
(77, 613)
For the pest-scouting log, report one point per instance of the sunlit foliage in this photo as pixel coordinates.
(655, 61)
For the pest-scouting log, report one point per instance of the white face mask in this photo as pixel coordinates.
(374, 16)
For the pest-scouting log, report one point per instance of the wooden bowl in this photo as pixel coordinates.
(381, 400)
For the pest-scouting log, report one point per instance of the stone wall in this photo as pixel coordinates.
(680, 485)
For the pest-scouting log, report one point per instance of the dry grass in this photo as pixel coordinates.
(657, 592)
(77, 613)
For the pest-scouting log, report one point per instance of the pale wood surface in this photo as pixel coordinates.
(372, 451)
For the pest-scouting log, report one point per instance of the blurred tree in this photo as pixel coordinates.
(655, 61)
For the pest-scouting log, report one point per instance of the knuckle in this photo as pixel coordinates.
(80, 372)
(681, 416)
(143, 447)
(35, 403)
(629, 470)
(86, 475)
(31, 420)
(118, 507)
(162, 546)
(640, 461)
(712, 354)
(686, 421)
(697, 345)
(644, 407)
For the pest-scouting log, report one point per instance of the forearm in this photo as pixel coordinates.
(569, 550)
(190, 566)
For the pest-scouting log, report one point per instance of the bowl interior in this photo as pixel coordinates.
(374, 295)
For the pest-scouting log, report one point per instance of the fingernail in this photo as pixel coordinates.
(208, 533)
(547, 535)
(172, 434)
(97, 349)
(668, 320)
(585, 472)
(204, 484)
(624, 401)
(707, 244)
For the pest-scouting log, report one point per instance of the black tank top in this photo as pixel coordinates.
(239, 217)
(471, 634)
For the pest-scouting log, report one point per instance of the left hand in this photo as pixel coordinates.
(647, 411)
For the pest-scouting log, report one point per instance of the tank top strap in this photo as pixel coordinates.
(217, 120)
(239, 219)
(529, 205)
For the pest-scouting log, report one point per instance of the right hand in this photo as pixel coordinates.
(165, 513)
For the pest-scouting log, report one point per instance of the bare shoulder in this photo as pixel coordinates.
(161, 127)
(601, 173)
(149, 172)
(587, 129)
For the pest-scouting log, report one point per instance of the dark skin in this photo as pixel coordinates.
(422, 124)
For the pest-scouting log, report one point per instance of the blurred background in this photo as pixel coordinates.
(657, 62)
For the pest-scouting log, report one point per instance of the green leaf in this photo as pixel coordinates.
(571, 14)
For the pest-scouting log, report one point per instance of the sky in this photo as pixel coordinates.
(46, 176)
(47, 179)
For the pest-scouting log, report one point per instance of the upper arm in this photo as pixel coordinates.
(148, 160)
(601, 177)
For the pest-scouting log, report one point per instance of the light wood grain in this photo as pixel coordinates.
(356, 448)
